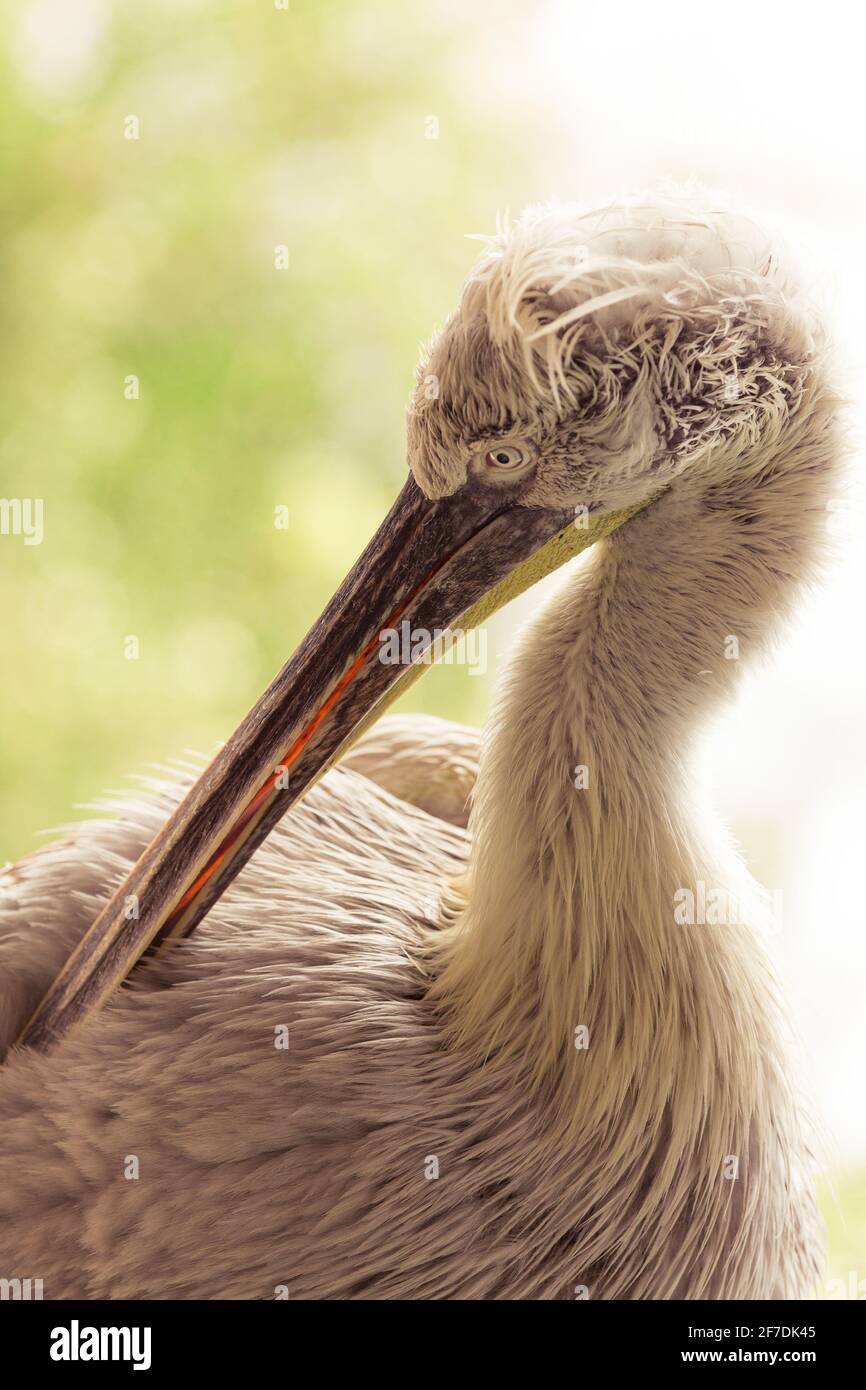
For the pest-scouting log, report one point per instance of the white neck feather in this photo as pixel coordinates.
(567, 918)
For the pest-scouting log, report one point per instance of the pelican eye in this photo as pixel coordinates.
(507, 458)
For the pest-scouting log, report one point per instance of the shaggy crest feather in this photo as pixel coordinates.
(678, 303)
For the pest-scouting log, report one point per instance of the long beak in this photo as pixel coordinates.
(437, 565)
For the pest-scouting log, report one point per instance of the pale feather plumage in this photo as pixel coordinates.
(429, 762)
(611, 340)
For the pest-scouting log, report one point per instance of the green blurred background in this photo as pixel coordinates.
(365, 138)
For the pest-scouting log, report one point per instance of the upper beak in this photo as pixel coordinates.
(436, 564)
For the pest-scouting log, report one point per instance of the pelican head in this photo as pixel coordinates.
(596, 355)
(594, 358)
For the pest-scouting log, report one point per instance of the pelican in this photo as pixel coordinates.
(365, 1050)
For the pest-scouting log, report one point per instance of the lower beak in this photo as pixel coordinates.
(436, 565)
